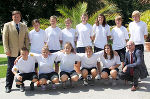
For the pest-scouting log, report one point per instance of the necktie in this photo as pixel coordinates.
(131, 62)
(17, 27)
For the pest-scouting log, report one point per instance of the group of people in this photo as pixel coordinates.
(72, 49)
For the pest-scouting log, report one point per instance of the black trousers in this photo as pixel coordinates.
(10, 75)
(128, 77)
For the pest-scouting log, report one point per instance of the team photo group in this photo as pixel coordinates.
(55, 55)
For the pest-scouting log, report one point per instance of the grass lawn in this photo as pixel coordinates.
(1, 48)
(3, 70)
(3, 61)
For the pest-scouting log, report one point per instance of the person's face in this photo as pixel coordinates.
(89, 52)
(100, 19)
(68, 49)
(36, 26)
(16, 18)
(107, 49)
(24, 54)
(118, 22)
(84, 18)
(136, 18)
(130, 46)
(45, 53)
(68, 24)
(53, 21)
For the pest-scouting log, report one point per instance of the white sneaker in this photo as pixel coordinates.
(43, 87)
(89, 77)
(98, 77)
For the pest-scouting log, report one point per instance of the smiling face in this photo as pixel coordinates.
(118, 23)
(84, 19)
(136, 18)
(36, 26)
(107, 50)
(100, 19)
(16, 18)
(53, 21)
(67, 49)
(24, 54)
(68, 24)
(130, 46)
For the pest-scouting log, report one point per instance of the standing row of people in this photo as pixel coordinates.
(15, 36)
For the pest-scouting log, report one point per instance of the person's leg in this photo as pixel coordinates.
(105, 73)
(135, 80)
(43, 80)
(93, 73)
(64, 77)
(74, 76)
(81, 50)
(9, 75)
(84, 75)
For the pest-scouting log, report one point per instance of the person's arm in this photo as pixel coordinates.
(16, 60)
(15, 72)
(6, 40)
(138, 62)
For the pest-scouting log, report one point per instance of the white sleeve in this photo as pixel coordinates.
(117, 59)
(91, 33)
(94, 30)
(45, 37)
(77, 57)
(112, 33)
(126, 34)
(46, 33)
(145, 29)
(30, 36)
(99, 53)
(77, 32)
(14, 67)
(60, 35)
(108, 30)
(58, 54)
(130, 28)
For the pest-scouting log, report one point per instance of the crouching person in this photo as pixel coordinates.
(26, 68)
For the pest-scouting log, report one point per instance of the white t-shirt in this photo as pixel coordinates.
(137, 31)
(46, 64)
(25, 66)
(119, 36)
(101, 34)
(89, 62)
(54, 35)
(107, 62)
(69, 36)
(67, 61)
(84, 32)
(37, 40)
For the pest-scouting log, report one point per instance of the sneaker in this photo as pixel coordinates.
(32, 86)
(22, 89)
(85, 83)
(43, 87)
(114, 83)
(53, 86)
(89, 77)
(98, 77)
(134, 88)
(80, 77)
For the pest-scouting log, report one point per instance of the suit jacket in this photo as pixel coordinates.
(12, 41)
(138, 63)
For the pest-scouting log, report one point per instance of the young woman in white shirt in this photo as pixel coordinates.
(37, 39)
(110, 62)
(68, 34)
(101, 33)
(120, 37)
(67, 60)
(54, 38)
(84, 34)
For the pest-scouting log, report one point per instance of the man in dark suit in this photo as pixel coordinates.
(15, 36)
(134, 66)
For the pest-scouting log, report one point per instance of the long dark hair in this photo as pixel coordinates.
(104, 21)
(111, 52)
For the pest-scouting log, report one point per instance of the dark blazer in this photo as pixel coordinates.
(138, 63)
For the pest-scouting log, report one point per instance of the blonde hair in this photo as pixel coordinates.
(68, 19)
(136, 12)
(45, 48)
(53, 17)
(119, 18)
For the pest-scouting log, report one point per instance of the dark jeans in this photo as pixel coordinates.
(96, 49)
(128, 77)
(10, 75)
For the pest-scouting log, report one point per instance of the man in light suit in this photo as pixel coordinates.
(15, 36)
(134, 66)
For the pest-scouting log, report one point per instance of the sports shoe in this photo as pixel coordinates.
(32, 86)
(98, 77)
(22, 89)
(134, 88)
(85, 83)
(43, 87)
(89, 77)
(53, 86)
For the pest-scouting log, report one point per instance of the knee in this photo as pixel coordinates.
(64, 77)
(104, 75)
(43, 81)
(55, 80)
(94, 72)
(75, 78)
(113, 73)
(84, 73)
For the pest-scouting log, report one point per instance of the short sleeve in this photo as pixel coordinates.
(117, 59)
(126, 34)
(94, 29)
(112, 33)
(108, 30)
(61, 34)
(91, 33)
(30, 36)
(145, 29)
